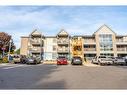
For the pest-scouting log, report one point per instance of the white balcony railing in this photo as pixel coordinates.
(36, 49)
(121, 42)
(89, 41)
(63, 49)
(89, 49)
(60, 41)
(121, 49)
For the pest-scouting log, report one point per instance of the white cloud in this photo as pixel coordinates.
(20, 21)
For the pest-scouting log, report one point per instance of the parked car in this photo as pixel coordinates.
(102, 60)
(16, 59)
(23, 59)
(119, 61)
(33, 60)
(125, 59)
(76, 61)
(62, 60)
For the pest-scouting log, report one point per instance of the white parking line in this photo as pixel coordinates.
(13, 67)
(4, 65)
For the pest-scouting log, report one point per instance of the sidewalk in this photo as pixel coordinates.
(52, 62)
(49, 62)
(89, 64)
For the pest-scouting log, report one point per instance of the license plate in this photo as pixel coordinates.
(77, 60)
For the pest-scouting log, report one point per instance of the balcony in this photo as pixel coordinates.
(63, 50)
(36, 50)
(62, 42)
(92, 42)
(121, 42)
(36, 42)
(89, 50)
(121, 50)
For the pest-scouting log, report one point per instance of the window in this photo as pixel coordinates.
(54, 40)
(106, 43)
(86, 46)
(54, 55)
(54, 48)
(106, 54)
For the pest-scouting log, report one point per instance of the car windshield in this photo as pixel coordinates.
(102, 57)
(111, 57)
(119, 57)
(30, 58)
(16, 56)
(77, 58)
(61, 57)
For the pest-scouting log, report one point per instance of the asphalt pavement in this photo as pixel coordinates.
(42, 76)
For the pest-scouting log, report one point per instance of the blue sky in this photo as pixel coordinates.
(76, 20)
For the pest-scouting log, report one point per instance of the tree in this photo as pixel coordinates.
(5, 42)
(17, 51)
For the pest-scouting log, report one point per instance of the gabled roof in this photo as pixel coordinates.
(62, 33)
(24, 37)
(121, 35)
(103, 26)
(36, 32)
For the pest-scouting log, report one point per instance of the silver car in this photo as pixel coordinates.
(119, 61)
(33, 60)
(102, 60)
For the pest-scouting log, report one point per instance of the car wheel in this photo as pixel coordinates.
(99, 63)
(113, 63)
(102, 64)
(28, 63)
(23, 62)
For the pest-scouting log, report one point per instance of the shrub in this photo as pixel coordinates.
(1, 61)
(5, 60)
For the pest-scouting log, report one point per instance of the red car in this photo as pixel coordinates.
(62, 61)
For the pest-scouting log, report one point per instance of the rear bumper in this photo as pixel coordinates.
(62, 63)
(31, 62)
(122, 62)
(106, 62)
(16, 61)
(76, 63)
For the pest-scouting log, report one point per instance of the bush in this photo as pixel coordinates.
(5, 59)
(1, 61)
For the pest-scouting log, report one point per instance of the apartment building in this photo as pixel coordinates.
(36, 44)
(48, 48)
(104, 41)
(33, 45)
(63, 44)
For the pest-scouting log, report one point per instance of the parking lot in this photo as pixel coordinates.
(42, 76)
